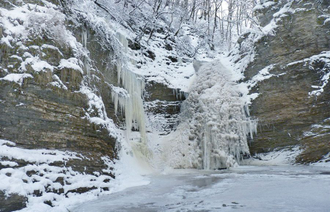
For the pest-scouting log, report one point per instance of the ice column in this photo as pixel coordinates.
(129, 99)
(217, 118)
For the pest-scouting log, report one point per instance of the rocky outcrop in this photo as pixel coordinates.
(48, 89)
(34, 117)
(48, 107)
(12, 203)
(294, 96)
(162, 105)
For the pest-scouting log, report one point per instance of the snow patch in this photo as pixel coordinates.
(264, 5)
(17, 78)
(71, 63)
(323, 57)
(277, 157)
(96, 105)
(324, 162)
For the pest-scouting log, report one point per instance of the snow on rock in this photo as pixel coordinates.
(20, 22)
(24, 25)
(71, 63)
(96, 106)
(39, 66)
(17, 78)
(322, 58)
(58, 83)
(42, 176)
(284, 156)
(324, 162)
(172, 68)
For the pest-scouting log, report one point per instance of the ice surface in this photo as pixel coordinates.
(243, 189)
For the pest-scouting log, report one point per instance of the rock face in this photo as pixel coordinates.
(12, 203)
(48, 108)
(37, 117)
(47, 90)
(293, 102)
(163, 106)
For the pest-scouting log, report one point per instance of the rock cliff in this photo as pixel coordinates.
(286, 63)
(53, 72)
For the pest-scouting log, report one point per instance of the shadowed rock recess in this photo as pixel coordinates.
(293, 104)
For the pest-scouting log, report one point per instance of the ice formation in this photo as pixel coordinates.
(129, 98)
(215, 123)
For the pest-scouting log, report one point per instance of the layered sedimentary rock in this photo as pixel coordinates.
(290, 72)
(55, 93)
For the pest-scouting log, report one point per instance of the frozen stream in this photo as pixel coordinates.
(246, 188)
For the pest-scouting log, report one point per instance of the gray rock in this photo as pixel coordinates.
(284, 108)
(11, 203)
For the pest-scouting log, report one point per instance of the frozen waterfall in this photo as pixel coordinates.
(214, 120)
(214, 123)
(128, 100)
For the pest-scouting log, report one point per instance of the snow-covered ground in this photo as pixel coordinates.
(245, 188)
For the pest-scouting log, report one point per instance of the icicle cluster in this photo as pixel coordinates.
(129, 99)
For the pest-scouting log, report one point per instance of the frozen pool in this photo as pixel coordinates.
(246, 188)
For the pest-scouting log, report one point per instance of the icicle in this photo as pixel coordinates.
(122, 39)
(130, 101)
(86, 63)
(84, 37)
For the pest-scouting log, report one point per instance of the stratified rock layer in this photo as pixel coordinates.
(49, 109)
(288, 107)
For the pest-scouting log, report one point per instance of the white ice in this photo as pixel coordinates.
(245, 189)
(214, 123)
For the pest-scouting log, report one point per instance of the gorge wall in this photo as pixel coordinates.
(54, 73)
(286, 63)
